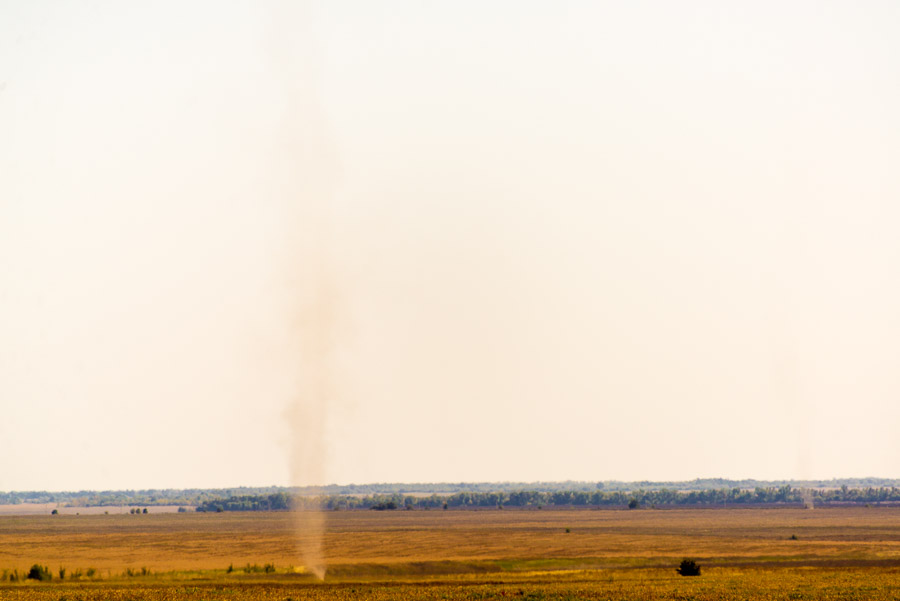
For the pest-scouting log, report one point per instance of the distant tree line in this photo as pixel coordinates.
(149, 497)
(783, 495)
(585, 486)
(279, 501)
(485, 494)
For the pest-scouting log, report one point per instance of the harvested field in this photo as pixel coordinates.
(604, 554)
(46, 508)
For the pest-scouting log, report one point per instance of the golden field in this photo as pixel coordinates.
(746, 553)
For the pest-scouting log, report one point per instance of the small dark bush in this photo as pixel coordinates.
(39, 572)
(689, 567)
(145, 510)
(54, 512)
(633, 504)
(794, 537)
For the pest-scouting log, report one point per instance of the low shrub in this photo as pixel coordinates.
(40, 573)
(689, 567)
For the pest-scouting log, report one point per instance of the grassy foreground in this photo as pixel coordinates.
(637, 584)
(834, 553)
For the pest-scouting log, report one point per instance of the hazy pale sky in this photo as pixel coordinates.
(504, 240)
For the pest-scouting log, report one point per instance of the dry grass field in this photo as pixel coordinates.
(45, 508)
(555, 554)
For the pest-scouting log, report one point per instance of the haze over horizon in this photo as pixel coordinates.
(543, 242)
(375, 488)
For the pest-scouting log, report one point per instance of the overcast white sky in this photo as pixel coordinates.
(554, 240)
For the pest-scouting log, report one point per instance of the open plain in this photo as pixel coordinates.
(745, 553)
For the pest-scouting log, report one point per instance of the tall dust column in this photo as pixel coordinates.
(307, 415)
(304, 186)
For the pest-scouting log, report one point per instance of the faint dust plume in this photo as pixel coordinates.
(307, 417)
(304, 185)
(808, 500)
